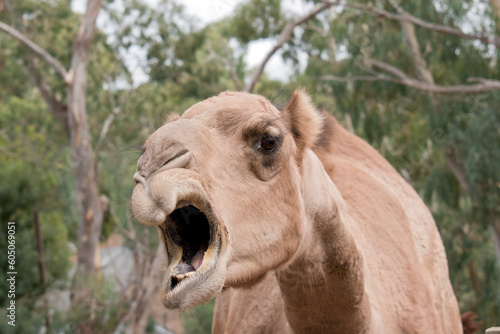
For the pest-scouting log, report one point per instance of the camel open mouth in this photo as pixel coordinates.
(192, 244)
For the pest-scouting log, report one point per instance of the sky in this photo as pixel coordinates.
(207, 12)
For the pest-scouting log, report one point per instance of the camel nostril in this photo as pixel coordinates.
(138, 178)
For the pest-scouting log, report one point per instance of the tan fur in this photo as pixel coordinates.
(304, 121)
(172, 117)
(320, 235)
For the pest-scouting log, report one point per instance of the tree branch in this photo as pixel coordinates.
(115, 110)
(284, 37)
(399, 77)
(405, 16)
(9, 8)
(388, 68)
(56, 65)
(226, 60)
(483, 85)
(377, 77)
(495, 7)
(84, 167)
(424, 74)
(58, 109)
(457, 168)
(494, 228)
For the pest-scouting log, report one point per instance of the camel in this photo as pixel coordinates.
(295, 224)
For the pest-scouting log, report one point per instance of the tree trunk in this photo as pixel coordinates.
(148, 287)
(418, 61)
(284, 37)
(494, 228)
(90, 211)
(495, 6)
(89, 206)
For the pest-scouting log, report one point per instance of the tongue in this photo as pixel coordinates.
(183, 268)
(197, 259)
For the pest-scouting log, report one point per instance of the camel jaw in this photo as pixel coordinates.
(193, 242)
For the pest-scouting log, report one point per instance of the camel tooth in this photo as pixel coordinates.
(180, 277)
(189, 274)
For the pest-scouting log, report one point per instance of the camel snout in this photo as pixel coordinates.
(138, 178)
(157, 196)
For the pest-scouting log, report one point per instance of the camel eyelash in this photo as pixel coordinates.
(269, 143)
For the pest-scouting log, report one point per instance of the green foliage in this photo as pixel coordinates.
(429, 138)
(32, 167)
(100, 313)
(256, 19)
(29, 317)
(199, 321)
(150, 327)
(473, 266)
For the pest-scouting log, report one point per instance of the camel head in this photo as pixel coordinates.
(223, 185)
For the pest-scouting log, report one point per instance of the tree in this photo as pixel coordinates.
(75, 80)
(389, 72)
(405, 69)
(29, 146)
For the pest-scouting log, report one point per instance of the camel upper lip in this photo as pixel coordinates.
(192, 242)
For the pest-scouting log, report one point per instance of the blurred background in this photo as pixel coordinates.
(419, 80)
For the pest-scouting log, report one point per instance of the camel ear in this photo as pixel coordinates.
(304, 120)
(172, 117)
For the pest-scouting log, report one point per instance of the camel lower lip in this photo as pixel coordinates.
(182, 271)
(181, 290)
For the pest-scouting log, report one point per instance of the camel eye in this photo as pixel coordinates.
(268, 143)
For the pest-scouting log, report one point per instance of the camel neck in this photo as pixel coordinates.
(323, 284)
